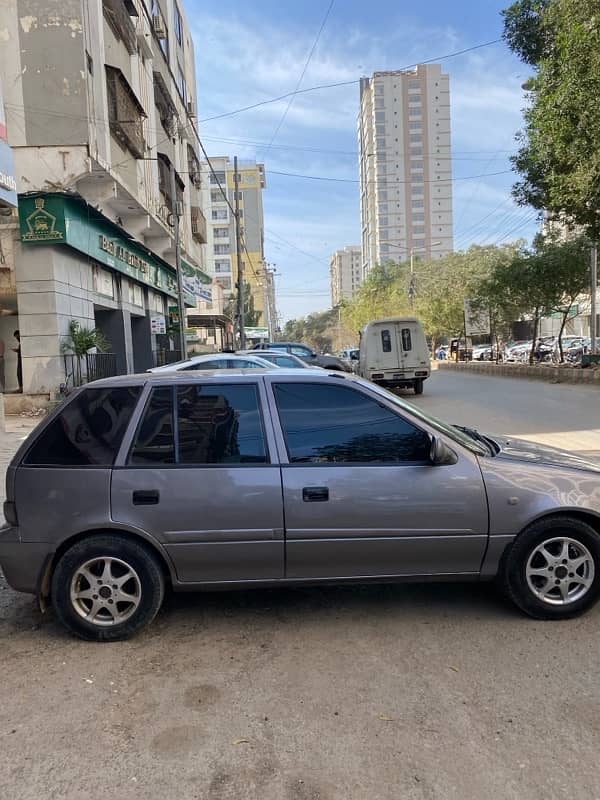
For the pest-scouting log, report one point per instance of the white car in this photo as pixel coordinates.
(281, 359)
(217, 361)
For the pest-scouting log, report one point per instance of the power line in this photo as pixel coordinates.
(303, 73)
(345, 83)
(385, 182)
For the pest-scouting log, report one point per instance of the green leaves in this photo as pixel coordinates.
(559, 157)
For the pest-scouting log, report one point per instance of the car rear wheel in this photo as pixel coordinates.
(418, 386)
(107, 588)
(553, 569)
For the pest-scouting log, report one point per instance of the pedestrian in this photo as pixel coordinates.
(17, 350)
(2, 375)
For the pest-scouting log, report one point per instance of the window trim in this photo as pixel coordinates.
(282, 445)
(123, 458)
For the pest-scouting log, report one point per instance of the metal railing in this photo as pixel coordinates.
(90, 367)
(164, 357)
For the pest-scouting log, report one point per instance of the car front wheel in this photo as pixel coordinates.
(107, 588)
(553, 569)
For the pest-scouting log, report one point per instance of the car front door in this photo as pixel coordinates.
(361, 496)
(198, 477)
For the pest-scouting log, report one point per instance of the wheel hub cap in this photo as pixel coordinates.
(105, 591)
(560, 570)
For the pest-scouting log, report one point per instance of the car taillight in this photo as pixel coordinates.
(376, 376)
(10, 513)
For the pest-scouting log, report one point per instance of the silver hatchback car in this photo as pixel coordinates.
(238, 479)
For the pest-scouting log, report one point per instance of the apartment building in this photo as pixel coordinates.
(405, 165)
(345, 270)
(221, 257)
(100, 99)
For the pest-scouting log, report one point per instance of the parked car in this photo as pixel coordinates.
(235, 480)
(307, 354)
(517, 350)
(485, 352)
(280, 359)
(394, 353)
(217, 361)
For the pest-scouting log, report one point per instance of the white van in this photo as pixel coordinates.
(393, 353)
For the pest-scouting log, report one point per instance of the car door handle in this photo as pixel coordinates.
(146, 498)
(315, 494)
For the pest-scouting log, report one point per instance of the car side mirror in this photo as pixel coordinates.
(440, 454)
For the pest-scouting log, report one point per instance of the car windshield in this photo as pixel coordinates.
(443, 427)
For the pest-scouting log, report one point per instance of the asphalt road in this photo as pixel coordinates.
(378, 692)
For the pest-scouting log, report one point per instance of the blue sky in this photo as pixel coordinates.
(250, 52)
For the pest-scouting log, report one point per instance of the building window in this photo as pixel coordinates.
(125, 113)
(414, 84)
(164, 181)
(195, 175)
(216, 177)
(219, 213)
(221, 249)
(221, 233)
(415, 126)
(416, 137)
(118, 15)
(178, 26)
(181, 87)
(222, 266)
(216, 196)
(380, 116)
(224, 282)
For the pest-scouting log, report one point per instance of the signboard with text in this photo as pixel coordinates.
(8, 182)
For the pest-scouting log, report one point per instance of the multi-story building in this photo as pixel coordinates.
(405, 165)
(221, 255)
(100, 111)
(345, 271)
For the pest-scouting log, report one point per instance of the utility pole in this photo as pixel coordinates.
(238, 248)
(180, 297)
(593, 287)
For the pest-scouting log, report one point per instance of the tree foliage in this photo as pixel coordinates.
(559, 154)
(252, 317)
(320, 330)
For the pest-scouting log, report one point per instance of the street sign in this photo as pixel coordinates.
(158, 324)
(477, 321)
(257, 333)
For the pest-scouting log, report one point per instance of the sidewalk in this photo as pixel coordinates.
(17, 430)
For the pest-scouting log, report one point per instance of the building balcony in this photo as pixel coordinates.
(198, 225)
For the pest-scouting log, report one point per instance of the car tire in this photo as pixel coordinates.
(116, 579)
(418, 386)
(552, 570)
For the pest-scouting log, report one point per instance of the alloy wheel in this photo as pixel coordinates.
(105, 591)
(560, 571)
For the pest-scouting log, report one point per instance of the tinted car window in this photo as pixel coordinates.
(220, 425)
(337, 424)
(406, 339)
(285, 361)
(303, 352)
(154, 442)
(386, 342)
(215, 424)
(88, 431)
(239, 363)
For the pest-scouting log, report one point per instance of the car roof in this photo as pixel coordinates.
(214, 374)
(388, 320)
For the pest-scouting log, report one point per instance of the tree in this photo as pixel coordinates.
(559, 155)
(252, 316)
(320, 330)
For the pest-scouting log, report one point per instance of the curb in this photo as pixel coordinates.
(550, 373)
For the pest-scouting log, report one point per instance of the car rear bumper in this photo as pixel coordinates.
(398, 379)
(22, 562)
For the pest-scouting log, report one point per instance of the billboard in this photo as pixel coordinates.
(477, 320)
(8, 183)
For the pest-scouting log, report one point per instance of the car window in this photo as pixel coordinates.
(406, 339)
(240, 363)
(386, 342)
(215, 424)
(276, 346)
(154, 442)
(217, 364)
(88, 431)
(301, 351)
(336, 424)
(285, 361)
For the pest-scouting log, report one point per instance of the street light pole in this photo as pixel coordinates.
(238, 248)
(593, 289)
(180, 292)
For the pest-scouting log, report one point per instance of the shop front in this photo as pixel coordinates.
(76, 265)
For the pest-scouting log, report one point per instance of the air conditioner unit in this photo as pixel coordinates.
(191, 108)
(158, 24)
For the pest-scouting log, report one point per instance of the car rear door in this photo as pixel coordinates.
(198, 475)
(361, 497)
(384, 349)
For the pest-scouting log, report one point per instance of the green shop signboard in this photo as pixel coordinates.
(56, 219)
